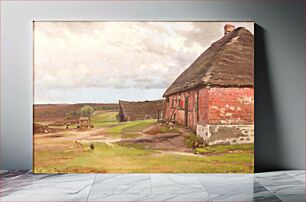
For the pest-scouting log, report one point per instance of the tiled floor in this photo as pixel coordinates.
(272, 186)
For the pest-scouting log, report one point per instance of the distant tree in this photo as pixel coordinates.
(87, 111)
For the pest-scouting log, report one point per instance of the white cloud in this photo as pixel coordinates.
(115, 55)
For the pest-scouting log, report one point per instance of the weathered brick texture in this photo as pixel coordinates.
(231, 106)
(213, 106)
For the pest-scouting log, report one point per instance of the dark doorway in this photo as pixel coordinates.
(186, 111)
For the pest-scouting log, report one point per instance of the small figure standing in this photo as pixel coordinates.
(92, 146)
(67, 126)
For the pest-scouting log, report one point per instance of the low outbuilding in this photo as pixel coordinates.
(84, 123)
(132, 111)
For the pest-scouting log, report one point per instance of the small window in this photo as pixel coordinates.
(196, 102)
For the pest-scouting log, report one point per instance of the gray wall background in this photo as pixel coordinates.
(279, 67)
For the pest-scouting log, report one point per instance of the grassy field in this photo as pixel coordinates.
(121, 159)
(58, 152)
(101, 119)
(217, 149)
(132, 126)
(104, 119)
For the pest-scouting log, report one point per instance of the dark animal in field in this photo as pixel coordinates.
(92, 146)
(78, 144)
(67, 125)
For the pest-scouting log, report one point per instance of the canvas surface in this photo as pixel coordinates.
(143, 97)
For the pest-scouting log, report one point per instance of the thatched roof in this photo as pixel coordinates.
(228, 62)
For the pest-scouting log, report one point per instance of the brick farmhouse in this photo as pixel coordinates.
(215, 95)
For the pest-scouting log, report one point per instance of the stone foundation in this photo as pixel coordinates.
(226, 134)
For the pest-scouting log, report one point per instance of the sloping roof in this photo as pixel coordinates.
(228, 62)
(141, 110)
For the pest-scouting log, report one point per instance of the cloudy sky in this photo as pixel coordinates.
(103, 62)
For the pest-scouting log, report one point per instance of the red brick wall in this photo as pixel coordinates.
(231, 105)
(180, 108)
(215, 106)
(203, 105)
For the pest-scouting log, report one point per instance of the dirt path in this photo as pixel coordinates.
(163, 142)
(75, 134)
(162, 152)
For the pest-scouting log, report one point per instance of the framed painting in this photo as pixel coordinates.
(143, 97)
